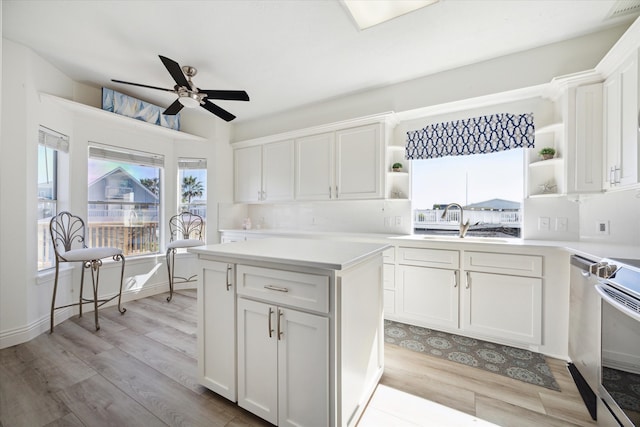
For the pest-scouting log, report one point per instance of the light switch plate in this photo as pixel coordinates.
(562, 224)
(543, 223)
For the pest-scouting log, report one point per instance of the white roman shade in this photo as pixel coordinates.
(477, 135)
(52, 139)
(105, 152)
(192, 163)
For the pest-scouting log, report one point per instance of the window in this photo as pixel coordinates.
(50, 143)
(124, 192)
(490, 187)
(192, 185)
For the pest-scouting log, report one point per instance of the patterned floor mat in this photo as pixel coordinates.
(523, 365)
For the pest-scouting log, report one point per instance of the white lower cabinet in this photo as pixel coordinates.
(281, 352)
(217, 330)
(429, 296)
(491, 296)
(509, 307)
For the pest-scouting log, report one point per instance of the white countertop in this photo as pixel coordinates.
(586, 249)
(315, 253)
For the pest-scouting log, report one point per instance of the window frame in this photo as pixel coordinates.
(447, 226)
(141, 233)
(56, 143)
(200, 206)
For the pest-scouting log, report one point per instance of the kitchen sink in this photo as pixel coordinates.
(475, 239)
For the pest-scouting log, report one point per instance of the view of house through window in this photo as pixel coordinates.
(489, 187)
(124, 200)
(50, 143)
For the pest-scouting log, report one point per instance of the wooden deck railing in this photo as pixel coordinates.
(136, 239)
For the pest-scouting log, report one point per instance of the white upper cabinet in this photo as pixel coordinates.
(248, 174)
(314, 167)
(340, 161)
(264, 172)
(359, 163)
(277, 171)
(584, 170)
(346, 164)
(622, 125)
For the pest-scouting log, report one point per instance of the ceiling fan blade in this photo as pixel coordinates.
(176, 72)
(233, 95)
(141, 85)
(213, 108)
(174, 108)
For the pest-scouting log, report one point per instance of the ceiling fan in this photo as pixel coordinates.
(191, 96)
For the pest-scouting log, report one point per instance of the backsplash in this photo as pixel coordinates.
(357, 216)
(618, 210)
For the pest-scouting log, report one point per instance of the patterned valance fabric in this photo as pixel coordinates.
(477, 135)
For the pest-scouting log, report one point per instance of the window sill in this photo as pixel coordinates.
(48, 275)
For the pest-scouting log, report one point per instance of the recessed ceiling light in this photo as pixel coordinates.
(367, 13)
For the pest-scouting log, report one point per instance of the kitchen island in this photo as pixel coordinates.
(292, 329)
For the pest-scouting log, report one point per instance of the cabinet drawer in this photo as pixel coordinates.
(308, 291)
(438, 258)
(519, 265)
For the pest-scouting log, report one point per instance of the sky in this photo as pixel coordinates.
(489, 176)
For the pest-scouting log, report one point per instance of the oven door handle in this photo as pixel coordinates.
(624, 309)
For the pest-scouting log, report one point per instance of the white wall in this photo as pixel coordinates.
(530, 68)
(620, 209)
(25, 294)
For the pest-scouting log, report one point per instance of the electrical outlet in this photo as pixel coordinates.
(398, 220)
(602, 227)
(562, 224)
(543, 223)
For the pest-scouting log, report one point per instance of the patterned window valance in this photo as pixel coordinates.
(486, 134)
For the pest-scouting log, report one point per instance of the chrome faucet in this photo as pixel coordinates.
(464, 227)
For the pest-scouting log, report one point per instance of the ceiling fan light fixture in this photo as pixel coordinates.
(190, 101)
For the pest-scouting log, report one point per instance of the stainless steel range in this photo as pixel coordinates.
(619, 384)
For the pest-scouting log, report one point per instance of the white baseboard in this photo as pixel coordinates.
(28, 332)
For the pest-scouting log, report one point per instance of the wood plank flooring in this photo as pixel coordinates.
(140, 370)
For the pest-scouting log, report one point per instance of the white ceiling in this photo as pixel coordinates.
(285, 54)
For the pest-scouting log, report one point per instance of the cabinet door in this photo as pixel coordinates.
(611, 95)
(502, 306)
(629, 122)
(314, 167)
(277, 171)
(428, 296)
(216, 328)
(303, 369)
(585, 169)
(359, 164)
(258, 359)
(248, 174)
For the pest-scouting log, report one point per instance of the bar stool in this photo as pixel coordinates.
(68, 238)
(186, 232)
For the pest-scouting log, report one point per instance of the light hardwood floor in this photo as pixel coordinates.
(140, 370)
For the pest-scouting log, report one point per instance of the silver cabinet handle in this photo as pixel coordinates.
(276, 288)
(229, 268)
(337, 195)
(330, 192)
(455, 278)
(270, 328)
(280, 333)
(468, 279)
